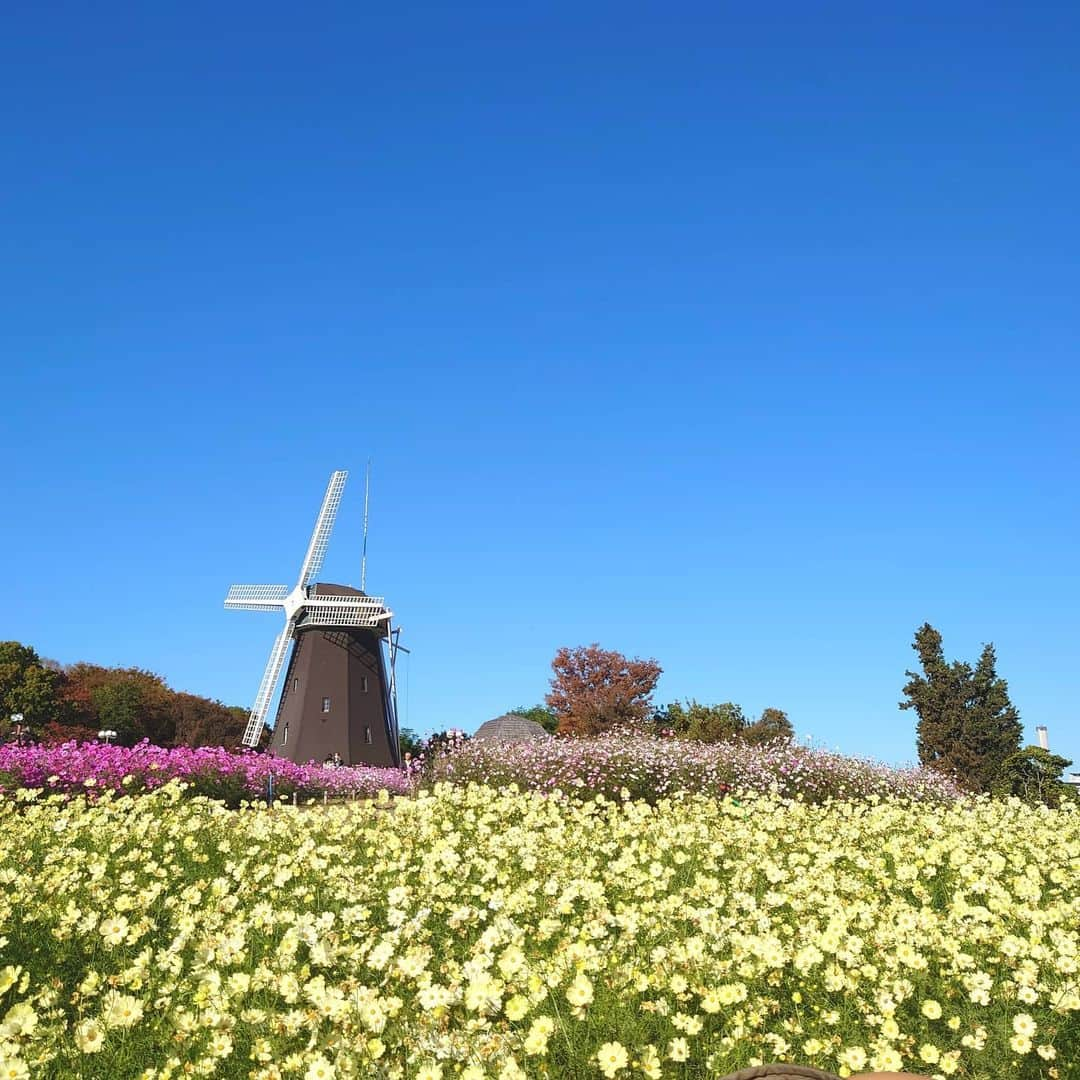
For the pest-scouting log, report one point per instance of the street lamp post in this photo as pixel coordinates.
(107, 735)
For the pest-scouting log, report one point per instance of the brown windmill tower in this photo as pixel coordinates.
(339, 700)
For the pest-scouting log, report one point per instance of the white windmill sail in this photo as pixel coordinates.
(267, 685)
(324, 523)
(291, 602)
(257, 597)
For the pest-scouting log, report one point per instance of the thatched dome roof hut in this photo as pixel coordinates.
(510, 728)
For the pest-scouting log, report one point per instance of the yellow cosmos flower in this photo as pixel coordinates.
(580, 992)
(13, 1068)
(853, 1057)
(1023, 1024)
(678, 1049)
(516, 1007)
(89, 1036)
(121, 1010)
(114, 929)
(649, 1063)
(612, 1057)
(320, 1069)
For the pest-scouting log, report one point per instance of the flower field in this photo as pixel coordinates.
(472, 932)
(654, 768)
(232, 777)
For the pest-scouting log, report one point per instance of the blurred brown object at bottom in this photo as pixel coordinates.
(804, 1072)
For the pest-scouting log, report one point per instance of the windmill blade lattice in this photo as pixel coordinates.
(345, 611)
(257, 597)
(320, 536)
(253, 731)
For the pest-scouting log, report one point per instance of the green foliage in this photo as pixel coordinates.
(722, 723)
(119, 706)
(772, 726)
(26, 687)
(442, 742)
(409, 742)
(543, 715)
(967, 724)
(708, 723)
(77, 701)
(1034, 775)
(230, 789)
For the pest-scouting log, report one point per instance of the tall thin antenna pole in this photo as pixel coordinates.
(363, 557)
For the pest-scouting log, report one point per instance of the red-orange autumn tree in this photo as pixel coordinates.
(594, 689)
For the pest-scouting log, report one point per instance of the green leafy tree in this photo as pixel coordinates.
(719, 723)
(772, 726)
(1034, 775)
(119, 707)
(544, 716)
(967, 724)
(27, 687)
(137, 705)
(705, 723)
(409, 742)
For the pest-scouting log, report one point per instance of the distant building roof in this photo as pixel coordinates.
(511, 728)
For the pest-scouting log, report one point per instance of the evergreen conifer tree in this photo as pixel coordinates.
(967, 724)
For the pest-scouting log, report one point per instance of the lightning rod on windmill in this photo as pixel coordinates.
(363, 556)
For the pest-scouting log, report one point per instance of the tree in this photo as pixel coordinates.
(77, 701)
(772, 726)
(994, 726)
(134, 703)
(542, 714)
(201, 721)
(27, 687)
(119, 708)
(718, 723)
(594, 689)
(409, 742)
(1034, 775)
(704, 723)
(967, 724)
(138, 704)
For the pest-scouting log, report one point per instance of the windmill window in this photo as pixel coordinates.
(325, 704)
(363, 685)
(367, 735)
(295, 683)
(284, 734)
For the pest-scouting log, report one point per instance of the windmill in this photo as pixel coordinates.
(339, 698)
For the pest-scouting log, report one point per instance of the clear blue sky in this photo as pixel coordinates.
(743, 337)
